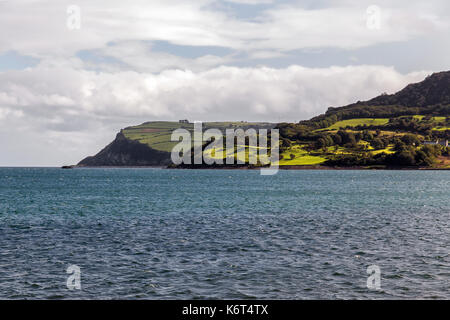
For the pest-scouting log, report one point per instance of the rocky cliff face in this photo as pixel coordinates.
(125, 152)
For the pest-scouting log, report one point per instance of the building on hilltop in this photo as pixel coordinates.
(442, 142)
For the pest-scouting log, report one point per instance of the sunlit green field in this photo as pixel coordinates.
(157, 135)
(388, 150)
(357, 122)
(420, 117)
(441, 128)
(376, 122)
(243, 154)
(297, 156)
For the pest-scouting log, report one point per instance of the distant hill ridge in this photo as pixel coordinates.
(428, 97)
(435, 89)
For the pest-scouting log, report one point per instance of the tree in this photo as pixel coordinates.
(405, 157)
(377, 143)
(337, 139)
(410, 139)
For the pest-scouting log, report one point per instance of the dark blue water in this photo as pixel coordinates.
(156, 234)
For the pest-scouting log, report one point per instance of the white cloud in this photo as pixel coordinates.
(39, 27)
(266, 54)
(139, 56)
(250, 1)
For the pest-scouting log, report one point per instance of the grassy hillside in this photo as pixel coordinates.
(388, 130)
(367, 142)
(357, 141)
(157, 134)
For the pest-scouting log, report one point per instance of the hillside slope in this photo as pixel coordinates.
(408, 129)
(149, 144)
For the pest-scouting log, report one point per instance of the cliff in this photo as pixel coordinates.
(126, 152)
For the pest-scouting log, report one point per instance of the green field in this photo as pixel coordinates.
(357, 122)
(441, 128)
(377, 122)
(157, 134)
(439, 122)
(387, 150)
(437, 119)
(301, 157)
(297, 155)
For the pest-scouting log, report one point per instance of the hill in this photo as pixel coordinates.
(405, 129)
(434, 90)
(149, 144)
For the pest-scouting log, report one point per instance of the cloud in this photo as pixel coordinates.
(140, 56)
(250, 2)
(77, 112)
(40, 30)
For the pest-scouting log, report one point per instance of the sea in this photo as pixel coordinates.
(145, 233)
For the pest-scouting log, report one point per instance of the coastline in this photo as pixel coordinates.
(287, 167)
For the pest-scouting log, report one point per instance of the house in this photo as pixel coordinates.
(183, 121)
(431, 142)
(442, 142)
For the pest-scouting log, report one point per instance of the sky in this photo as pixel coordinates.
(73, 73)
